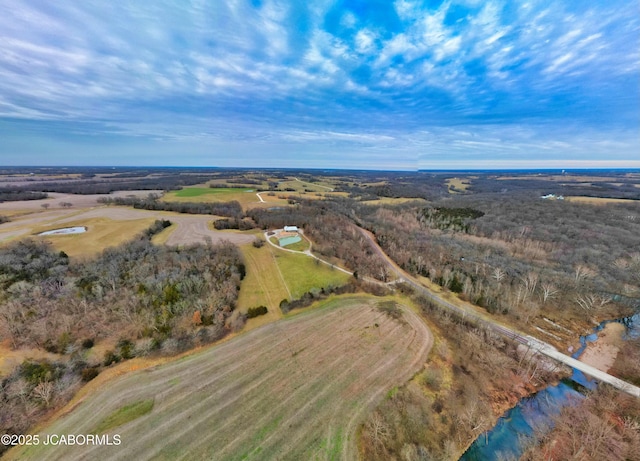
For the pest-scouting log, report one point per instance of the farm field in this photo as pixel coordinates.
(101, 233)
(293, 389)
(110, 226)
(458, 185)
(599, 200)
(246, 197)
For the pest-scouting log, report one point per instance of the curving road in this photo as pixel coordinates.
(534, 343)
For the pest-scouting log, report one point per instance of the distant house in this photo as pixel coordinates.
(291, 228)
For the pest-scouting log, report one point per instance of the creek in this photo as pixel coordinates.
(534, 414)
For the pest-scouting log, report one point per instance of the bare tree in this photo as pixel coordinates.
(498, 274)
(549, 291)
(44, 392)
(582, 272)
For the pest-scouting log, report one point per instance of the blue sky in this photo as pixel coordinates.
(342, 84)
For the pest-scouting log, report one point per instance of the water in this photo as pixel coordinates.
(513, 431)
(509, 438)
(65, 231)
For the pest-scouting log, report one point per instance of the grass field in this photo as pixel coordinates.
(292, 390)
(263, 285)
(303, 273)
(101, 233)
(274, 275)
(220, 191)
(246, 197)
(599, 200)
(458, 184)
(302, 245)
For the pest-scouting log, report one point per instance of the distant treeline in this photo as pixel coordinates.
(106, 186)
(231, 209)
(14, 195)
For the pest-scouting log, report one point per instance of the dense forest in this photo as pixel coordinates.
(146, 299)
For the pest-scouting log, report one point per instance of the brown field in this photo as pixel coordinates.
(101, 233)
(77, 201)
(392, 201)
(195, 229)
(295, 389)
(111, 226)
(599, 200)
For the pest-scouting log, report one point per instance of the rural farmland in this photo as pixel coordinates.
(295, 389)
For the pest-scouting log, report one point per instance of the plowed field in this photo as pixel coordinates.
(294, 389)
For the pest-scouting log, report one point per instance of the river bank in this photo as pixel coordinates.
(602, 352)
(534, 415)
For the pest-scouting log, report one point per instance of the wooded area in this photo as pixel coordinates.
(149, 299)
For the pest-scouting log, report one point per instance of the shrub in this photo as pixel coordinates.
(37, 372)
(126, 349)
(110, 357)
(87, 343)
(256, 311)
(89, 373)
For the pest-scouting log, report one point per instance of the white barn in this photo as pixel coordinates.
(291, 228)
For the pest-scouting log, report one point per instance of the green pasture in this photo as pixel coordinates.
(302, 273)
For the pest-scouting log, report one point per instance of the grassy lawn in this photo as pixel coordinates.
(302, 245)
(262, 285)
(303, 273)
(274, 275)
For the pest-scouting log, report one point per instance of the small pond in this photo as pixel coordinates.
(65, 231)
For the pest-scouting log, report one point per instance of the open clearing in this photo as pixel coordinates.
(246, 197)
(599, 200)
(303, 273)
(77, 201)
(110, 226)
(274, 275)
(459, 185)
(294, 389)
(262, 285)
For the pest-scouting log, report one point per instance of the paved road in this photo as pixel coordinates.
(536, 344)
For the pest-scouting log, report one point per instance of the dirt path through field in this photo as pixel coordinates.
(291, 390)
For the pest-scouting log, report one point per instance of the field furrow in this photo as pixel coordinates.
(294, 389)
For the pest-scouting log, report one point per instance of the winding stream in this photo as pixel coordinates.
(517, 427)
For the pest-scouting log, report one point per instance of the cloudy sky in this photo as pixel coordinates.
(334, 84)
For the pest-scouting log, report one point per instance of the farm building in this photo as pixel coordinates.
(288, 238)
(291, 228)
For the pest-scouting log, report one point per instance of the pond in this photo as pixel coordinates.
(65, 231)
